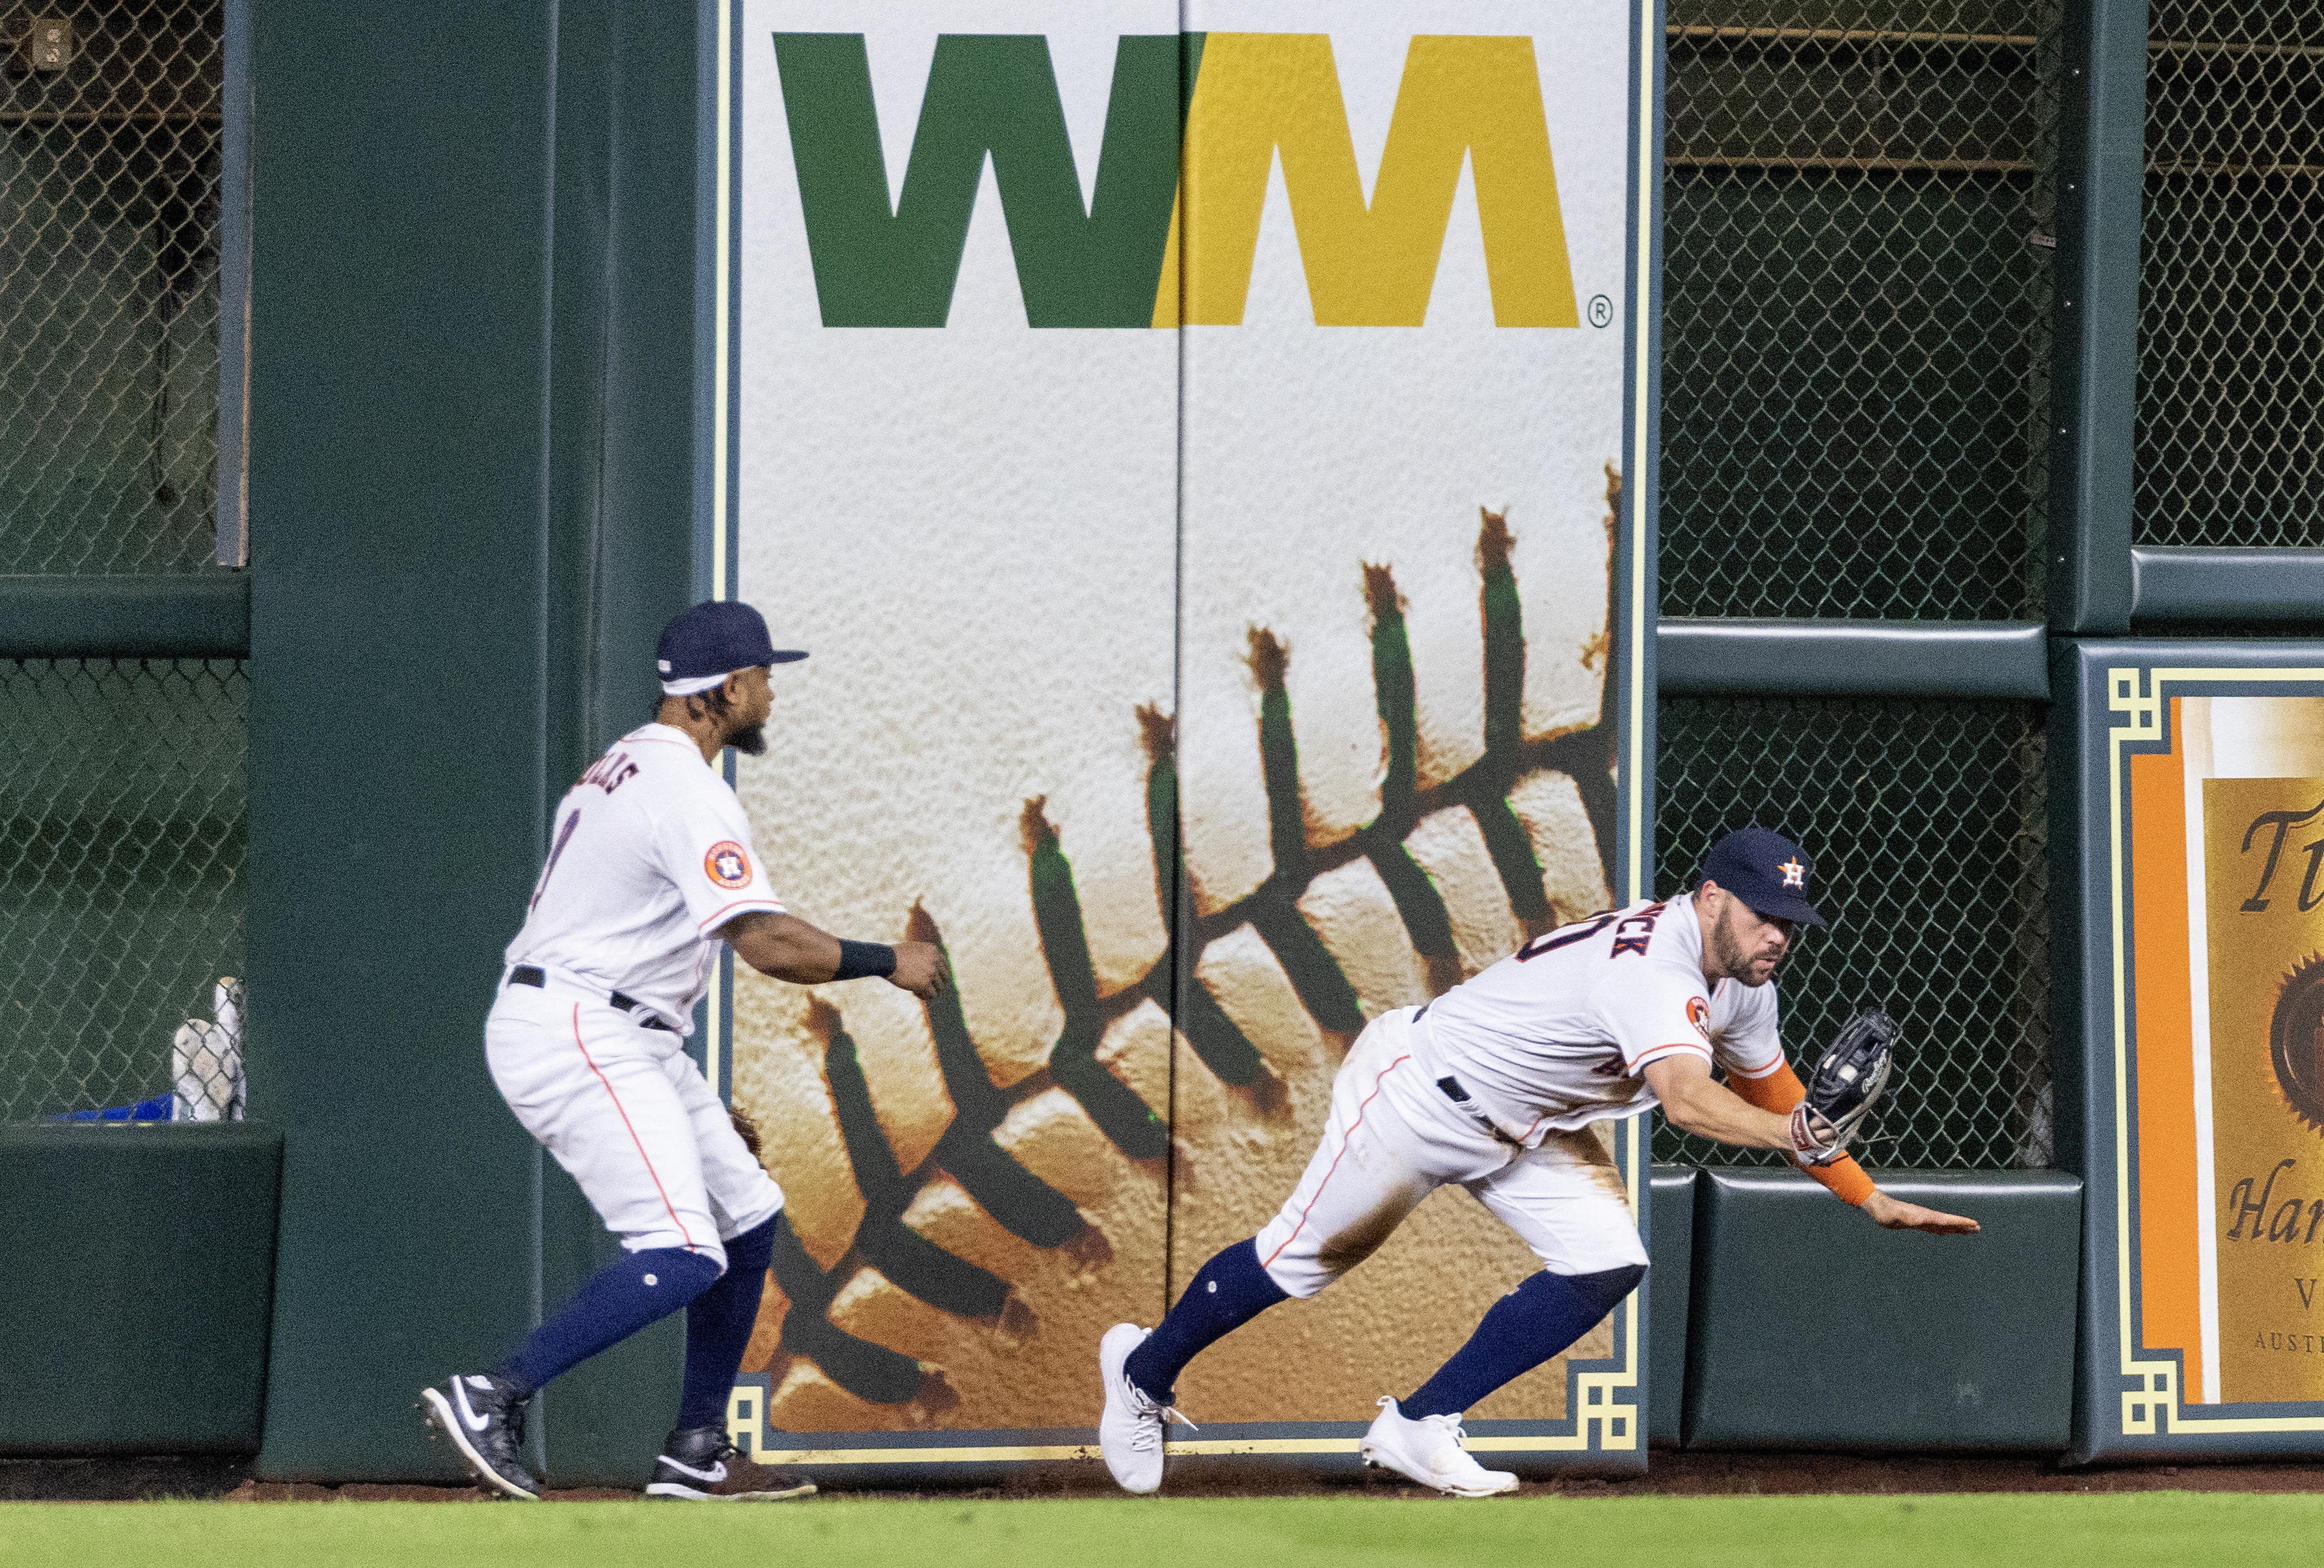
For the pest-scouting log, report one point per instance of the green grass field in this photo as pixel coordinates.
(2120, 1530)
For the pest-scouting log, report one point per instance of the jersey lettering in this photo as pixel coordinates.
(1570, 1040)
(1563, 936)
(610, 772)
(1633, 934)
(646, 849)
(564, 837)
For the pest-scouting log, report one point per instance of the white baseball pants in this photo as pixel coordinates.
(1394, 1137)
(628, 1115)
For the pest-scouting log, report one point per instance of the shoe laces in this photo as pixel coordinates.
(720, 1451)
(512, 1411)
(1451, 1425)
(1149, 1431)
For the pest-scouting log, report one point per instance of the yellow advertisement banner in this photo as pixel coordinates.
(2263, 850)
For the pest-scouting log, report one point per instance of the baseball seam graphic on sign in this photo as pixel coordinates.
(799, 1341)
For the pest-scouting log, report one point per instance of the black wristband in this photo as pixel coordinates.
(860, 959)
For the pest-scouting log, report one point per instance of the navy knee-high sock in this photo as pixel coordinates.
(718, 1324)
(613, 1303)
(1229, 1292)
(1522, 1329)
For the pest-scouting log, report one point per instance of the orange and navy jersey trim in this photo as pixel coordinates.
(1658, 1052)
(719, 916)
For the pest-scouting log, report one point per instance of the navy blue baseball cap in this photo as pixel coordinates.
(703, 646)
(1767, 870)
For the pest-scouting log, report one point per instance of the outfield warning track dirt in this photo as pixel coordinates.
(1673, 1473)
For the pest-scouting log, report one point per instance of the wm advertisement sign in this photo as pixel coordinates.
(1197, 449)
(1194, 123)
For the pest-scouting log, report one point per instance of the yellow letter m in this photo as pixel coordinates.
(1259, 94)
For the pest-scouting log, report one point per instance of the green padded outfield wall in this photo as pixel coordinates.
(627, 440)
(473, 489)
(1671, 1249)
(134, 1319)
(1809, 1329)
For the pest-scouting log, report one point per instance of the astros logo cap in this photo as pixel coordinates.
(1767, 870)
(703, 646)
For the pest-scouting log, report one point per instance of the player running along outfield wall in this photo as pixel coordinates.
(1206, 538)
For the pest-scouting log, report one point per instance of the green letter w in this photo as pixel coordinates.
(874, 267)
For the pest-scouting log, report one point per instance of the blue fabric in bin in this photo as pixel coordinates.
(156, 1110)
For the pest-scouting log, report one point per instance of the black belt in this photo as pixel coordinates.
(526, 974)
(1469, 1109)
(1452, 1089)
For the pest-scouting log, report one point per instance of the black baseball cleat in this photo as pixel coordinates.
(483, 1416)
(702, 1465)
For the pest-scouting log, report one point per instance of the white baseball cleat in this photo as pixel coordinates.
(1129, 1432)
(1429, 1450)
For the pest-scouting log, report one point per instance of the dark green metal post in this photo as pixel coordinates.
(2101, 172)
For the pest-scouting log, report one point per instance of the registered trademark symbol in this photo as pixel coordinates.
(1602, 310)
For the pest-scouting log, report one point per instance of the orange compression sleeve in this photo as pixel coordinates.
(1779, 1092)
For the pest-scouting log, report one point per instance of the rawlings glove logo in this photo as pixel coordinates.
(1843, 1086)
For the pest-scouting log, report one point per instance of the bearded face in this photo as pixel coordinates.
(1745, 948)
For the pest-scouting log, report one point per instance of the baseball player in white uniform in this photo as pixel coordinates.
(650, 867)
(1494, 1085)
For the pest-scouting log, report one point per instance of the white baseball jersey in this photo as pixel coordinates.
(1557, 1035)
(650, 855)
(1393, 1136)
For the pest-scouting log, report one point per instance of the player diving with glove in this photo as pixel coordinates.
(1494, 1085)
(650, 868)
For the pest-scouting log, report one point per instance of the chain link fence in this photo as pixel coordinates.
(2230, 440)
(121, 781)
(120, 851)
(109, 171)
(1856, 240)
(1927, 824)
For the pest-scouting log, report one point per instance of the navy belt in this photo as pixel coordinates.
(1450, 1087)
(527, 974)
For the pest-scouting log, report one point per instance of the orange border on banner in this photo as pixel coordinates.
(2168, 1296)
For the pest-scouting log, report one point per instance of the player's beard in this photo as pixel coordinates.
(1727, 951)
(751, 742)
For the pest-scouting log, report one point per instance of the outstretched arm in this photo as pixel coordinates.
(788, 948)
(1781, 1090)
(1694, 1103)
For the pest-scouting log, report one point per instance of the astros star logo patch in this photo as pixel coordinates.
(727, 865)
(1795, 875)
